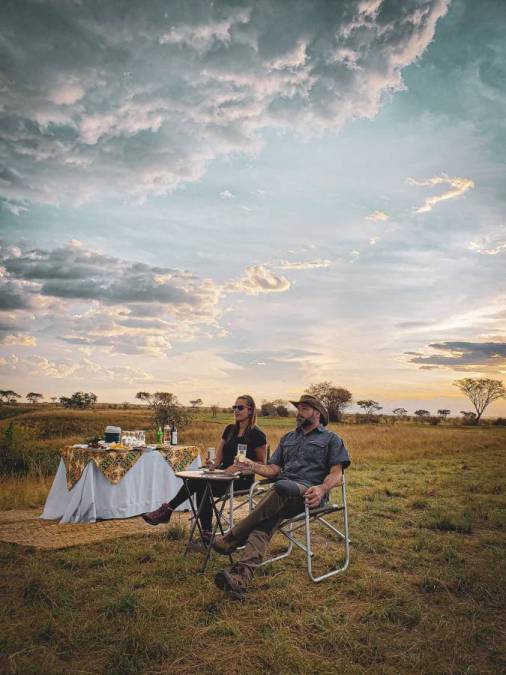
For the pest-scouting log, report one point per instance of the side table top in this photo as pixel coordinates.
(218, 475)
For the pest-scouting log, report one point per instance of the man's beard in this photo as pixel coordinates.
(303, 422)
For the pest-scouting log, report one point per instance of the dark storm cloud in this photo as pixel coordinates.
(464, 355)
(12, 297)
(76, 273)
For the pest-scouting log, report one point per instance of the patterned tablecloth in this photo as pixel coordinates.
(114, 464)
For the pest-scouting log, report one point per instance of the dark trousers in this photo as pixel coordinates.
(197, 487)
(258, 527)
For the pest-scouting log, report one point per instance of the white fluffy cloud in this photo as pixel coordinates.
(142, 105)
(458, 187)
(489, 244)
(304, 265)
(258, 279)
(377, 216)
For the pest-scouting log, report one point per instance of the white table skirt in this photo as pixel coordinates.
(143, 488)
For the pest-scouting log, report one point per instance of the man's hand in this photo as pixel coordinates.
(247, 465)
(314, 495)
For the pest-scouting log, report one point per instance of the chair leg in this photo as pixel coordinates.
(344, 536)
(285, 553)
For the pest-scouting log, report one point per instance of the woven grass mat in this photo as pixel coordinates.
(27, 529)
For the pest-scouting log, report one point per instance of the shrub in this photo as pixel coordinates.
(13, 456)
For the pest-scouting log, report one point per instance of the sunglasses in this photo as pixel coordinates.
(240, 408)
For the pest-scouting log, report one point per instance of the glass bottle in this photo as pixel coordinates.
(173, 433)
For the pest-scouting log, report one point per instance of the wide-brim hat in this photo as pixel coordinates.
(316, 404)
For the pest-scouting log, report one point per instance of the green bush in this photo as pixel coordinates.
(20, 455)
(13, 455)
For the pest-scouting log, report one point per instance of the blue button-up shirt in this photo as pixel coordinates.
(308, 458)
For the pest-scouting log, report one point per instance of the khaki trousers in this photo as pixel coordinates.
(258, 527)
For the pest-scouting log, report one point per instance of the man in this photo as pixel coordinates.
(307, 464)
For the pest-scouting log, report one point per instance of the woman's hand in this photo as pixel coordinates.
(231, 469)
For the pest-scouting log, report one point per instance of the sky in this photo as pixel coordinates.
(216, 198)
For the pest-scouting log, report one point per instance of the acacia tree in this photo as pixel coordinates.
(369, 406)
(195, 404)
(9, 396)
(400, 413)
(469, 416)
(165, 408)
(79, 399)
(481, 392)
(422, 414)
(443, 413)
(33, 397)
(335, 399)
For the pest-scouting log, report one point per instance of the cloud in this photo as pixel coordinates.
(305, 265)
(489, 316)
(13, 296)
(22, 340)
(226, 194)
(86, 298)
(73, 272)
(258, 279)
(83, 297)
(15, 209)
(466, 356)
(256, 357)
(459, 187)
(488, 245)
(142, 106)
(62, 369)
(377, 216)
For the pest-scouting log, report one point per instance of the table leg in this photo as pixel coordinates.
(218, 516)
(196, 514)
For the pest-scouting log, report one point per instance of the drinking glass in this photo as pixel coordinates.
(242, 448)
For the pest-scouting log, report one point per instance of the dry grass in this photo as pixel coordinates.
(424, 592)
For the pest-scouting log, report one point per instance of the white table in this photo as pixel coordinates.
(143, 488)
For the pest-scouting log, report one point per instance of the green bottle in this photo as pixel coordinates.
(159, 436)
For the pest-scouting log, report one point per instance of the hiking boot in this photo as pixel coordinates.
(234, 581)
(226, 544)
(161, 515)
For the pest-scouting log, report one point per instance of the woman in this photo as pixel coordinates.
(244, 431)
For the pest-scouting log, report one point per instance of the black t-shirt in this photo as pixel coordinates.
(253, 438)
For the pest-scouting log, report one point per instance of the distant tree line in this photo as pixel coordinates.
(481, 392)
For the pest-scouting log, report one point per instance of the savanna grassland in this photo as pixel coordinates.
(424, 592)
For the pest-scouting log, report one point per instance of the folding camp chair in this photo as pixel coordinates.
(308, 520)
(238, 499)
